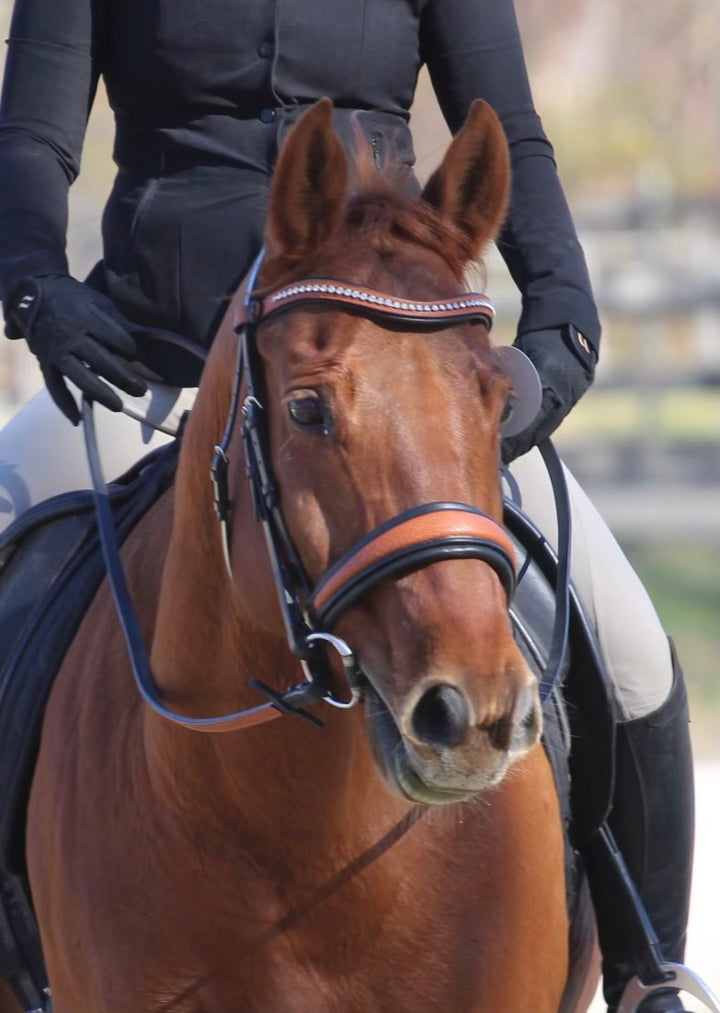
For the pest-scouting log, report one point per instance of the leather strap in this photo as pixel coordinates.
(468, 307)
(413, 539)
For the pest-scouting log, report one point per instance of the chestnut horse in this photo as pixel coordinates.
(282, 867)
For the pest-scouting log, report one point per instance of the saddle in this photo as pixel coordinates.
(51, 566)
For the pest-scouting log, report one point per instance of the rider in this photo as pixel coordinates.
(203, 96)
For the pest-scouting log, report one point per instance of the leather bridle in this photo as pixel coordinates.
(425, 534)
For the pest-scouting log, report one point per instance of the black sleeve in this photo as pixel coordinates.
(48, 89)
(473, 50)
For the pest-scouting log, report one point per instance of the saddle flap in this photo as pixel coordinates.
(50, 569)
(585, 683)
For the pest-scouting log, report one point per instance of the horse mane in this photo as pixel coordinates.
(388, 219)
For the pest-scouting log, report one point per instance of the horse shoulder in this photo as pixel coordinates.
(91, 740)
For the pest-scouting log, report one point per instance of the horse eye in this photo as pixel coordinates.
(307, 411)
(507, 410)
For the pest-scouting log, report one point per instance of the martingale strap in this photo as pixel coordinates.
(468, 307)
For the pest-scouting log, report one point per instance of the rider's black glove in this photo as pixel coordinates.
(77, 333)
(566, 365)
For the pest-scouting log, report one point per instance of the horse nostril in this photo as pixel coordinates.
(441, 716)
(518, 730)
(499, 734)
(530, 723)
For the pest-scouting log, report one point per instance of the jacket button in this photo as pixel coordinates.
(267, 115)
(266, 49)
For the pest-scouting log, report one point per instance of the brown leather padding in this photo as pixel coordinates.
(438, 525)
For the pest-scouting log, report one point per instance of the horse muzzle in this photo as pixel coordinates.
(441, 744)
(437, 748)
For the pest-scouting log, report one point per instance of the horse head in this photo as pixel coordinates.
(378, 421)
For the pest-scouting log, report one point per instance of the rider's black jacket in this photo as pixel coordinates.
(203, 93)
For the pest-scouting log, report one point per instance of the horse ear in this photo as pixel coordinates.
(472, 185)
(309, 185)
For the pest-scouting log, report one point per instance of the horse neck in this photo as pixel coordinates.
(213, 635)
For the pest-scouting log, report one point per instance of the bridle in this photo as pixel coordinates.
(421, 535)
(424, 534)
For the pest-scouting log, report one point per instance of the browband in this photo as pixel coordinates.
(470, 307)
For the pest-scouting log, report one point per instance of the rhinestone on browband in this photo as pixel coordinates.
(469, 302)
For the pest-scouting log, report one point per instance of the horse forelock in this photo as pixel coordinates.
(389, 220)
(382, 214)
(390, 239)
(384, 204)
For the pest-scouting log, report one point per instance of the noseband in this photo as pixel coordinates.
(425, 534)
(419, 536)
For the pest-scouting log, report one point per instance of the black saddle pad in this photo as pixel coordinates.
(584, 686)
(51, 566)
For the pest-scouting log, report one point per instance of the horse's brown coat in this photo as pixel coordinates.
(272, 870)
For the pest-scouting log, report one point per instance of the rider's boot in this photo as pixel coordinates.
(652, 820)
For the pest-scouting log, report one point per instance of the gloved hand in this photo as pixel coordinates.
(77, 333)
(566, 365)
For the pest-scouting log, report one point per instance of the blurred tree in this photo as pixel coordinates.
(628, 91)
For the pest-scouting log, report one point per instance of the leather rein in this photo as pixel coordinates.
(424, 534)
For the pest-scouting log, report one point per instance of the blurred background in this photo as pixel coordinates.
(629, 94)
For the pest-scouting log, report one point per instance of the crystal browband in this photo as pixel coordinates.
(467, 307)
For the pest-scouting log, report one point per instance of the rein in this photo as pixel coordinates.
(424, 534)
